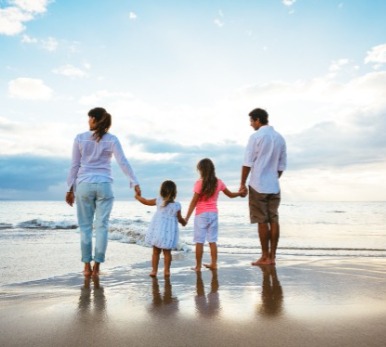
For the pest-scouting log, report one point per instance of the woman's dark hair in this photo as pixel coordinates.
(259, 114)
(168, 192)
(103, 122)
(208, 175)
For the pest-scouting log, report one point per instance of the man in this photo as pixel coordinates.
(265, 158)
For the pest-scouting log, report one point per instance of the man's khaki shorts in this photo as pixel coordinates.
(263, 208)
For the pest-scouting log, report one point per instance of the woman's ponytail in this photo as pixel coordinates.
(103, 122)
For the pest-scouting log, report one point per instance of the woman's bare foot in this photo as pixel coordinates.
(167, 273)
(95, 269)
(211, 266)
(153, 274)
(197, 269)
(87, 269)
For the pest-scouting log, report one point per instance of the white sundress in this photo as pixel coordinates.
(163, 229)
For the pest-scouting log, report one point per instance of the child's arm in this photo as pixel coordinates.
(181, 220)
(148, 202)
(232, 195)
(192, 206)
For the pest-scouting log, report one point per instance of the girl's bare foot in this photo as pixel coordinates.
(87, 269)
(211, 266)
(262, 261)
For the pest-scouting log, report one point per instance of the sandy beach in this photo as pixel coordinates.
(300, 302)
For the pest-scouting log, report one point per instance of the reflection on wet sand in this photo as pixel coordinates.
(98, 299)
(271, 293)
(166, 303)
(207, 305)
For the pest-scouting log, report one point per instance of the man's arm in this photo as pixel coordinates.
(245, 170)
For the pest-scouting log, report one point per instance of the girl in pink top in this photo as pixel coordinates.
(205, 195)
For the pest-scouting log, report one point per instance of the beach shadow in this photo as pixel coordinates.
(163, 303)
(272, 292)
(207, 305)
(92, 300)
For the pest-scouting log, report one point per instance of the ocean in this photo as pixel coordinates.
(307, 228)
(30, 230)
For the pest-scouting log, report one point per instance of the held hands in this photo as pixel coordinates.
(137, 190)
(243, 191)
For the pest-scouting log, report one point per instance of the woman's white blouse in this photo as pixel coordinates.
(91, 160)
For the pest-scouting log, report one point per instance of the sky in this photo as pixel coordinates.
(180, 77)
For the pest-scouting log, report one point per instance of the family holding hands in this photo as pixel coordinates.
(90, 184)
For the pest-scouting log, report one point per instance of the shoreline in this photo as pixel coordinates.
(302, 301)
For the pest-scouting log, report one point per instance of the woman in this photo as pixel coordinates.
(90, 183)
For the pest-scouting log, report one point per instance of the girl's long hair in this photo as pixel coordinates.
(168, 192)
(103, 122)
(208, 175)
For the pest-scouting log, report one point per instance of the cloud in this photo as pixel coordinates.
(69, 70)
(338, 64)
(29, 89)
(181, 167)
(12, 18)
(33, 6)
(377, 55)
(330, 145)
(101, 96)
(321, 99)
(132, 16)
(28, 39)
(50, 44)
(32, 177)
(31, 172)
(288, 2)
(36, 138)
(45, 172)
(218, 22)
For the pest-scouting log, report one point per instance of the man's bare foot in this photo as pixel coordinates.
(95, 270)
(262, 261)
(87, 269)
(211, 266)
(153, 274)
(167, 274)
(197, 269)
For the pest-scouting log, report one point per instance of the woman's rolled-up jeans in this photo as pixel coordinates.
(94, 200)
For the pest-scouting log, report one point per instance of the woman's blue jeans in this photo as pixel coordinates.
(94, 200)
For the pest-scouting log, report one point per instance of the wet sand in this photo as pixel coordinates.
(299, 302)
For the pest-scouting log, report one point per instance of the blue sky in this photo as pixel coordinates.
(180, 77)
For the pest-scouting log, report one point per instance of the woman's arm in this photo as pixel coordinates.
(73, 173)
(124, 163)
(192, 206)
(147, 202)
(75, 165)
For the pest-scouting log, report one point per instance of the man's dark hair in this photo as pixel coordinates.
(259, 114)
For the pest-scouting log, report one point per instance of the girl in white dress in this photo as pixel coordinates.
(163, 229)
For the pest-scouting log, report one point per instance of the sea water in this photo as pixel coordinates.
(40, 239)
(307, 228)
